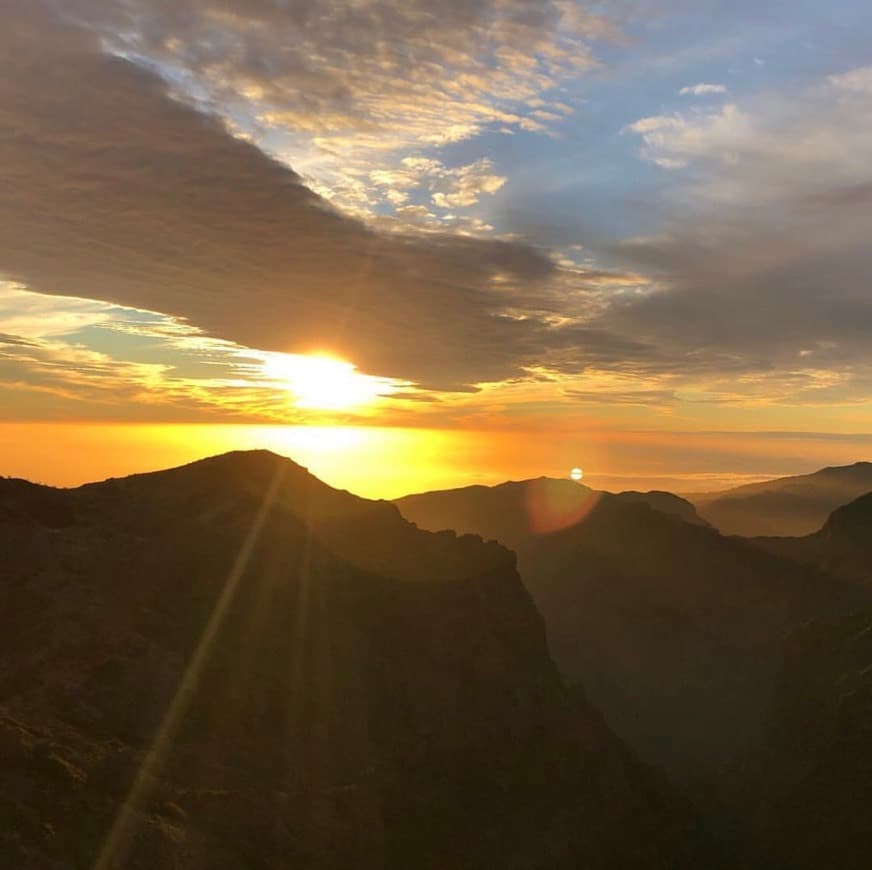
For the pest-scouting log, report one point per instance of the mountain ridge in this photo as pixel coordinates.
(786, 506)
(842, 547)
(543, 505)
(673, 629)
(273, 674)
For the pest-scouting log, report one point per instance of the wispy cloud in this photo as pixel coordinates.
(336, 89)
(703, 90)
(763, 251)
(445, 187)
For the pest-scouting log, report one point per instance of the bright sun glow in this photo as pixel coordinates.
(324, 382)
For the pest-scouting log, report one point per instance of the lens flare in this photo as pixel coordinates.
(554, 505)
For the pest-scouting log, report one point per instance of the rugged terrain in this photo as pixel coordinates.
(675, 631)
(232, 665)
(805, 792)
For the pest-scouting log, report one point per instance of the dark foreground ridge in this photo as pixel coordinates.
(747, 674)
(807, 789)
(232, 665)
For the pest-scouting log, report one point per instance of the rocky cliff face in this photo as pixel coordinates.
(675, 631)
(233, 665)
(805, 793)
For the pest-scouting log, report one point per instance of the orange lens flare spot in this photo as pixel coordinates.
(553, 505)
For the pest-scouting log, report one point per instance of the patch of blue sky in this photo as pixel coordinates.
(589, 183)
(142, 347)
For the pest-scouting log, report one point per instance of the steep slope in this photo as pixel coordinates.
(843, 547)
(232, 665)
(806, 792)
(674, 630)
(788, 506)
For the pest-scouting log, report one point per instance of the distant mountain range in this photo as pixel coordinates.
(232, 665)
(788, 506)
(675, 631)
(518, 511)
(744, 667)
(843, 547)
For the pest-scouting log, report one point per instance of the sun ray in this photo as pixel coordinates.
(112, 853)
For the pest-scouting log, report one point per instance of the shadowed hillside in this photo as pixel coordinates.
(843, 547)
(232, 665)
(806, 792)
(675, 631)
(788, 506)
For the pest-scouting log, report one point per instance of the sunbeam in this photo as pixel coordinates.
(112, 853)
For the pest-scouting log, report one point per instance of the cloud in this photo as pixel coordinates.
(763, 256)
(69, 376)
(117, 192)
(146, 369)
(39, 317)
(342, 86)
(454, 187)
(643, 398)
(857, 80)
(122, 184)
(702, 90)
(370, 65)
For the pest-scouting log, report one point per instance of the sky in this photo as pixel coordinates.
(484, 239)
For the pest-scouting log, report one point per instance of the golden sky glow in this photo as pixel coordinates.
(529, 223)
(385, 462)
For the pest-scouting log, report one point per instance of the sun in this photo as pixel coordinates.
(323, 382)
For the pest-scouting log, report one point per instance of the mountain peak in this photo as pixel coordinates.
(846, 470)
(514, 511)
(787, 506)
(247, 460)
(236, 486)
(228, 657)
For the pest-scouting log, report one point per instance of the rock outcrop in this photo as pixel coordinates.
(805, 793)
(232, 665)
(675, 631)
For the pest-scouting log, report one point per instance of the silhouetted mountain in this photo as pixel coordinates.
(807, 791)
(512, 512)
(843, 547)
(788, 506)
(232, 665)
(665, 502)
(674, 630)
